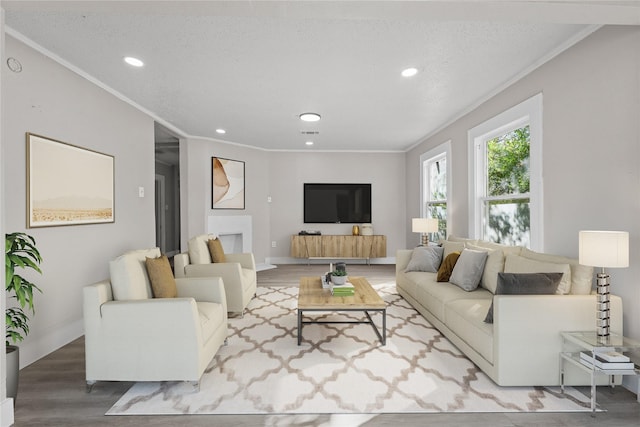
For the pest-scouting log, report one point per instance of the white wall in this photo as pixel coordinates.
(48, 99)
(195, 170)
(289, 170)
(591, 146)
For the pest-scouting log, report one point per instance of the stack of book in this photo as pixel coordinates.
(345, 290)
(610, 360)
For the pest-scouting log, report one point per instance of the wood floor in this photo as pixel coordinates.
(52, 391)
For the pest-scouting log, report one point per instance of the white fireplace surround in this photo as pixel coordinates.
(234, 232)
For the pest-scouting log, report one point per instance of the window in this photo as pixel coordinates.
(436, 184)
(506, 177)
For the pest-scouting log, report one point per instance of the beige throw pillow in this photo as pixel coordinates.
(216, 250)
(163, 283)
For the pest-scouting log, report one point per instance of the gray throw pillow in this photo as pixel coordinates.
(525, 284)
(425, 258)
(468, 269)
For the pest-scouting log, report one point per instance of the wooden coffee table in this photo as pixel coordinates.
(312, 297)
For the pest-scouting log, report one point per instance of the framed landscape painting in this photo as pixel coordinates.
(227, 183)
(67, 185)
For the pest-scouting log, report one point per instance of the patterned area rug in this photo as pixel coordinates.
(338, 369)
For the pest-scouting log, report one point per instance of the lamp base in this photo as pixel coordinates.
(425, 239)
(603, 305)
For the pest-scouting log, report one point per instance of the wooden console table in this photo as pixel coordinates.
(338, 247)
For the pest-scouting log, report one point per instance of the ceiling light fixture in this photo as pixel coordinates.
(134, 62)
(309, 117)
(309, 143)
(221, 131)
(409, 72)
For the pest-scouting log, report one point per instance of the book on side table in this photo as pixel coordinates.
(615, 361)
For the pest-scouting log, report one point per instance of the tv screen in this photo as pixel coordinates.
(337, 203)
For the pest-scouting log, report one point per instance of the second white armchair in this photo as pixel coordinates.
(238, 273)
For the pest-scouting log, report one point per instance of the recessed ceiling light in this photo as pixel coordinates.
(135, 62)
(409, 72)
(309, 143)
(309, 117)
(221, 131)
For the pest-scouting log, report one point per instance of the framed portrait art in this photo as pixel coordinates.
(227, 183)
(67, 185)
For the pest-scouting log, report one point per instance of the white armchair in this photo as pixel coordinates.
(131, 336)
(238, 273)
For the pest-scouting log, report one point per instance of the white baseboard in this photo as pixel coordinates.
(290, 260)
(34, 350)
(265, 266)
(6, 413)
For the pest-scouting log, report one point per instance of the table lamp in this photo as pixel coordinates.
(604, 249)
(424, 226)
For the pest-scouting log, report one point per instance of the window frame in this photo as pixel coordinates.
(528, 112)
(442, 150)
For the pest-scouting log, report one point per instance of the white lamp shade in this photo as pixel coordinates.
(424, 225)
(607, 249)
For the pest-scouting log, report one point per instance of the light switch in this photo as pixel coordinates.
(140, 191)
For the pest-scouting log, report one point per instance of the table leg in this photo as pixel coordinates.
(593, 393)
(299, 326)
(384, 327)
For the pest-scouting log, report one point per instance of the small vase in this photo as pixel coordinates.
(339, 280)
(355, 230)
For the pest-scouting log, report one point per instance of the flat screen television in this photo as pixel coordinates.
(337, 203)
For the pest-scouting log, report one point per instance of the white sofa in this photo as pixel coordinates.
(238, 273)
(131, 336)
(522, 346)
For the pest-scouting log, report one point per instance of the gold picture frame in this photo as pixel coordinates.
(67, 184)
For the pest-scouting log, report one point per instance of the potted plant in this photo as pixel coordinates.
(339, 277)
(20, 253)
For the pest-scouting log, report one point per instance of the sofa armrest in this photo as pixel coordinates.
(526, 332)
(170, 318)
(246, 260)
(403, 256)
(202, 289)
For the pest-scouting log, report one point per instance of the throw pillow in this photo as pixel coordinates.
(525, 284)
(520, 264)
(468, 269)
(450, 247)
(444, 272)
(216, 250)
(581, 275)
(425, 258)
(493, 266)
(163, 283)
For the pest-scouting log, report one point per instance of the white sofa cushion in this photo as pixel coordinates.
(450, 247)
(465, 318)
(199, 250)
(519, 264)
(581, 275)
(129, 278)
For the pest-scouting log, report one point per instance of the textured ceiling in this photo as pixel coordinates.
(253, 67)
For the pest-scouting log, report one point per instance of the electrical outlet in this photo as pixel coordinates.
(269, 199)
(273, 244)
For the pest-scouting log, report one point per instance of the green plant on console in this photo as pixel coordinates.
(20, 252)
(339, 273)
